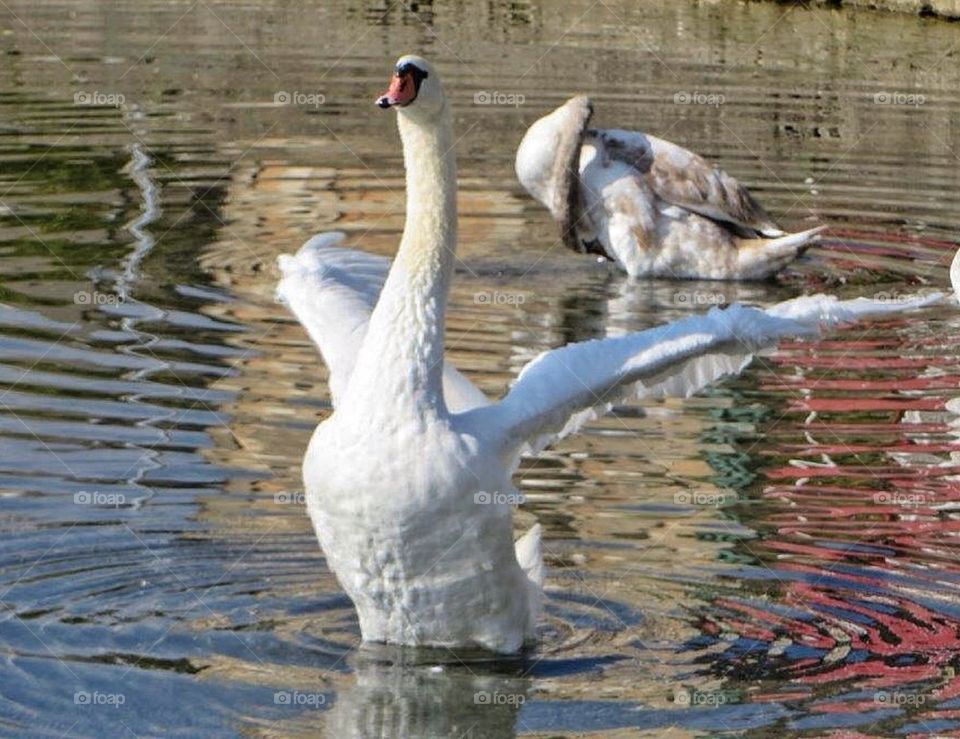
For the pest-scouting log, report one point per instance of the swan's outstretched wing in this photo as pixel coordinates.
(687, 180)
(561, 389)
(332, 291)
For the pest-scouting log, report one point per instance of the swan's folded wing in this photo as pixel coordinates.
(687, 180)
(332, 291)
(561, 389)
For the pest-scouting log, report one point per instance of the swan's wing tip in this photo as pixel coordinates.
(286, 263)
(291, 264)
(324, 240)
(925, 300)
(289, 267)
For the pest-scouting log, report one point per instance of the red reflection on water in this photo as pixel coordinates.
(859, 521)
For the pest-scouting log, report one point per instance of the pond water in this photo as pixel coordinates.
(775, 557)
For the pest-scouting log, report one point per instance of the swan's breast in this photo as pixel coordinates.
(408, 526)
(402, 491)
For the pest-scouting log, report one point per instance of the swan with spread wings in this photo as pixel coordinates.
(400, 479)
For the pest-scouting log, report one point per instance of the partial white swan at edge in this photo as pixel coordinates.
(393, 477)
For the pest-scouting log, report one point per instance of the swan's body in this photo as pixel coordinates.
(654, 208)
(333, 291)
(393, 475)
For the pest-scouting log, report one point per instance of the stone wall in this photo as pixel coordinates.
(943, 8)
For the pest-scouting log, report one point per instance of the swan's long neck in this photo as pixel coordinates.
(400, 363)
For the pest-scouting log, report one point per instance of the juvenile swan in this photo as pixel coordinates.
(654, 208)
(395, 477)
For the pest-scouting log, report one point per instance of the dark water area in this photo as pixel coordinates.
(774, 557)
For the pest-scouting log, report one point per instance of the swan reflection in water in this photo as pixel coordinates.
(412, 692)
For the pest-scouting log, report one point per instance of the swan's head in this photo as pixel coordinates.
(548, 158)
(415, 88)
(548, 164)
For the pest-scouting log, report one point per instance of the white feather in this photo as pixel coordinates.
(408, 482)
(561, 389)
(332, 291)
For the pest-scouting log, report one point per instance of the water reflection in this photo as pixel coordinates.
(415, 694)
(859, 556)
(723, 563)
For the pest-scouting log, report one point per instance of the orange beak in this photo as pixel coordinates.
(401, 92)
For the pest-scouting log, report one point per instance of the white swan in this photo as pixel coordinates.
(402, 480)
(955, 275)
(653, 207)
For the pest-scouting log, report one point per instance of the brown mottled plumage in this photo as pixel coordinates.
(655, 208)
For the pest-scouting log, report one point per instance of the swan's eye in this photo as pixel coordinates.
(409, 68)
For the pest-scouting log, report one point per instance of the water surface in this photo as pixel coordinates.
(774, 557)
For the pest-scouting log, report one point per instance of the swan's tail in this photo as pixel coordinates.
(759, 258)
(529, 551)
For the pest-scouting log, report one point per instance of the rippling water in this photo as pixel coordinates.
(775, 557)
